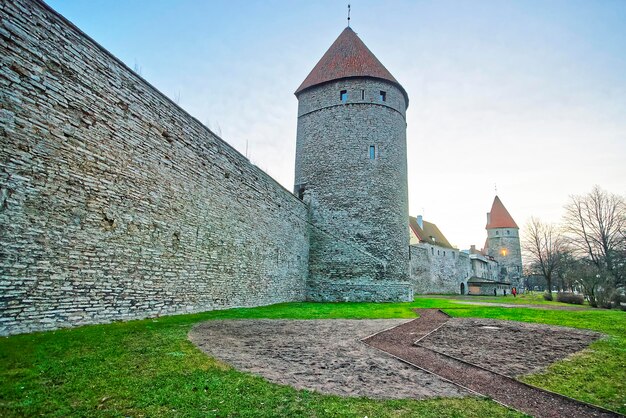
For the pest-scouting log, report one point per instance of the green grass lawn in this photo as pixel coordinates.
(531, 298)
(148, 368)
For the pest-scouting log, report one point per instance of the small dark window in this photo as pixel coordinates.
(383, 96)
(300, 191)
(372, 152)
(362, 94)
(508, 232)
(497, 232)
(432, 250)
(343, 96)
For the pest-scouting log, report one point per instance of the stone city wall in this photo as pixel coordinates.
(435, 269)
(342, 271)
(115, 203)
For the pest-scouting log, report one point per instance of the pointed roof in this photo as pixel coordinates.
(430, 233)
(499, 216)
(348, 57)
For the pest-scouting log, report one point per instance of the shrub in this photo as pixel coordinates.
(569, 297)
(547, 295)
(603, 297)
(619, 301)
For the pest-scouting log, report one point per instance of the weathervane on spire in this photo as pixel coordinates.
(495, 186)
(348, 14)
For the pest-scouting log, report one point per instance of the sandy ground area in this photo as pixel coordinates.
(507, 347)
(322, 355)
(327, 355)
(400, 341)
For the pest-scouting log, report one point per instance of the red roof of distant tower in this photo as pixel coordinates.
(500, 217)
(348, 57)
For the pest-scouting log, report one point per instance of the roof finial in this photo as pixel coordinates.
(348, 14)
(495, 186)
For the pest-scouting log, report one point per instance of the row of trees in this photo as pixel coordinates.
(587, 250)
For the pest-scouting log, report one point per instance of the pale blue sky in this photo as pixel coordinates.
(530, 95)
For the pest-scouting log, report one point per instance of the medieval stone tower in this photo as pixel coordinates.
(503, 242)
(351, 168)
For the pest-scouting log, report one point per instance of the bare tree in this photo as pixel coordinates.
(595, 225)
(543, 246)
(566, 277)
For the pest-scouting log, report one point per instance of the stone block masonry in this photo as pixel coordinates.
(116, 204)
(436, 269)
(351, 166)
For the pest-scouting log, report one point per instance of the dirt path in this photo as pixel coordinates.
(399, 342)
(322, 355)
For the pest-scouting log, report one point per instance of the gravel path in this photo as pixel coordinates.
(399, 342)
(322, 355)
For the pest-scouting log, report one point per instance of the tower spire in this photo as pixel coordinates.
(348, 14)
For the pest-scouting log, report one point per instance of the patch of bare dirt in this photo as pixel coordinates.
(399, 341)
(507, 347)
(321, 355)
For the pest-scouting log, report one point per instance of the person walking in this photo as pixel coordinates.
(514, 291)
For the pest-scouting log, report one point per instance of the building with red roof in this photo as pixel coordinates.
(348, 57)
(503, 243)
(499, 217)
(351, 168)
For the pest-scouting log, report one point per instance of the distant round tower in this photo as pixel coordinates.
(351, 167)
(503, 243)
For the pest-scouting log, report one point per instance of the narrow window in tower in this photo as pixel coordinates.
(508, 232)
(343, 96)
(362, 94)
(497, 232)
(383, 96)
(301, 192)
(372, 152)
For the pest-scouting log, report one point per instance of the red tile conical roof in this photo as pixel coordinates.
(499, 216)
(348, 57)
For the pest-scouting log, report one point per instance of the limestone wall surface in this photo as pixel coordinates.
(505, 248)
(436, 269)
(115, 203)
(359, 197)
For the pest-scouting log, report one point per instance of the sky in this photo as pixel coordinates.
(528, 97)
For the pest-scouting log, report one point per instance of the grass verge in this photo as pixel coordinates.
(529, 298)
